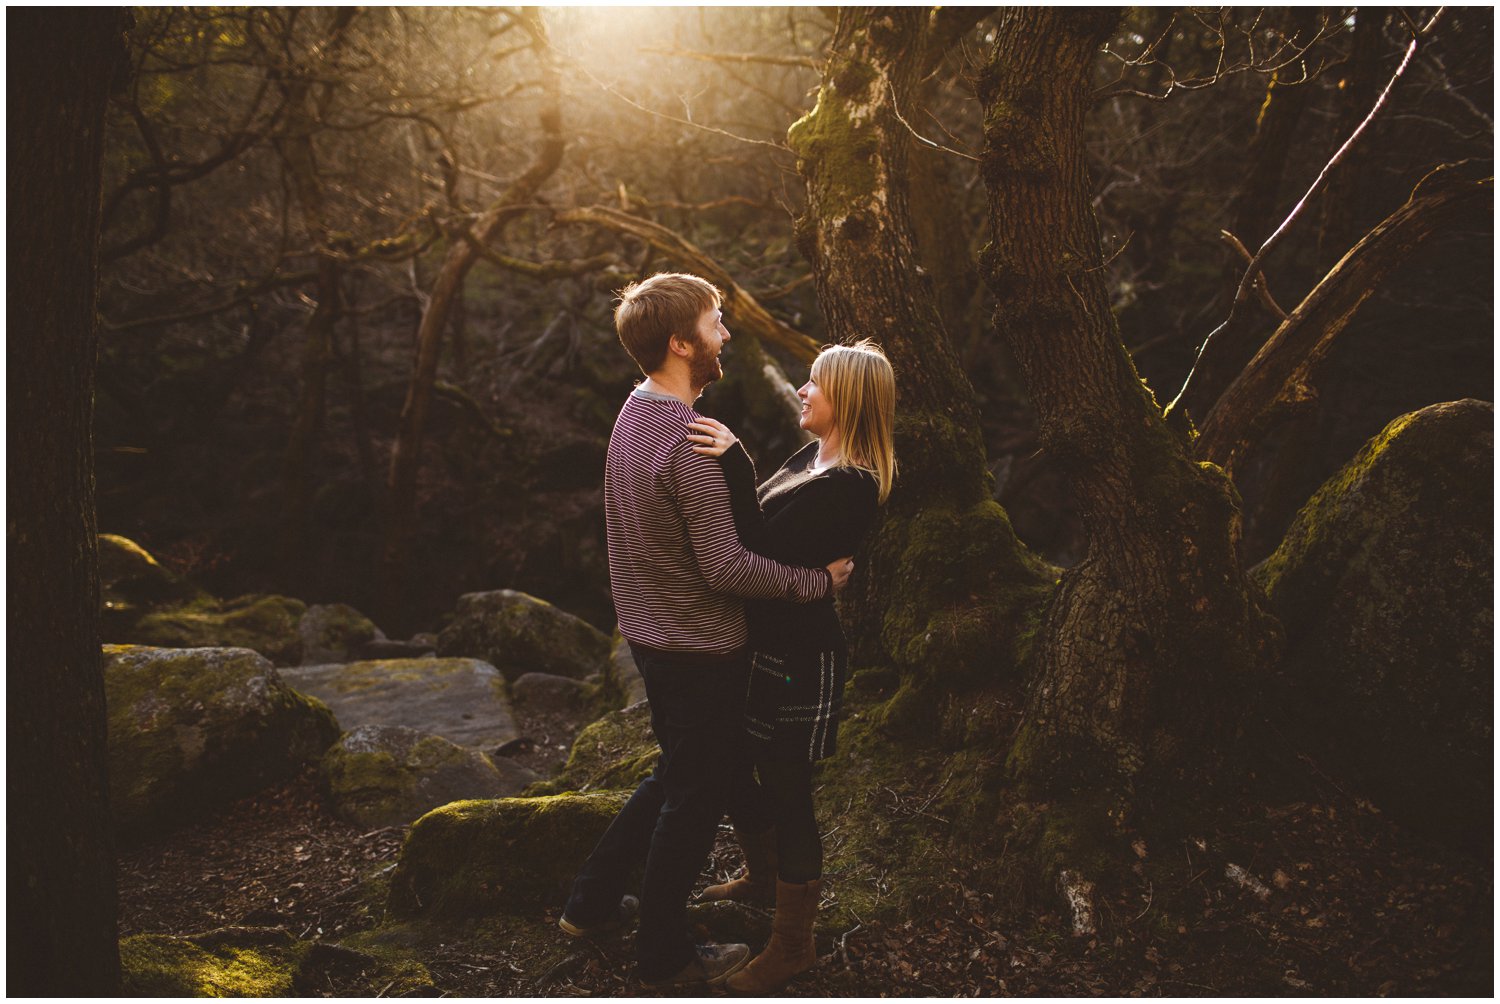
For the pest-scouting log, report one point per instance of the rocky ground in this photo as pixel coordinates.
(1348, 905)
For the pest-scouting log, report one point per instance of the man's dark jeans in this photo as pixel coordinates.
(697, 713)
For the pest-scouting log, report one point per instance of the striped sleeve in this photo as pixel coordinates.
(702, 497)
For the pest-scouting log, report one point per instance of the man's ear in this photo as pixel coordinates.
(680, 346)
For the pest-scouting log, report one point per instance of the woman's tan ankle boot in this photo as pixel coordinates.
(791, 950)
(757, 883)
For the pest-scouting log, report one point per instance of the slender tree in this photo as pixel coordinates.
(61, 887)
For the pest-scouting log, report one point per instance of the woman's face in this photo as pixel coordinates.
(817, 410)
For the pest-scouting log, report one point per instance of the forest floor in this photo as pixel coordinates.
(1353, 907)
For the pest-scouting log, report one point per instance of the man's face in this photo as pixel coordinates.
(703, 365)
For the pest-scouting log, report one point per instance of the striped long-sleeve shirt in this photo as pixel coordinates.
(677, 568)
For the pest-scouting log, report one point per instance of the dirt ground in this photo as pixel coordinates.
(1333, 901)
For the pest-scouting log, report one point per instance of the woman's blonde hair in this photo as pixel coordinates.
(861, 386)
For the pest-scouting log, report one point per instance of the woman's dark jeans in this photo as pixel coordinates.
(697, 710)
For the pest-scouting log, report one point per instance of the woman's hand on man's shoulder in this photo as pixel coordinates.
(710, 437)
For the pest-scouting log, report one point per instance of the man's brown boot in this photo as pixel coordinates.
(791, 950)
(757, 883)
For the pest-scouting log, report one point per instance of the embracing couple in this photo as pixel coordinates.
(724, 592)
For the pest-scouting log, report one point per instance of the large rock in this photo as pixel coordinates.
(557, 694)
(388, 775)
(335, 632)
(521, 634)
(193, 728)
(132, 583)
(462, 700)
(266, 624)
(1385, 585)
(511, 855)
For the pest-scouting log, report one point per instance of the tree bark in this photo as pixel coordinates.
(1280, 379)
(62, 900)
(1152, 639)
(946, 588)
(461, 256)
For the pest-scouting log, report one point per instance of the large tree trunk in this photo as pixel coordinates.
(947, 588)
(1154, 637)
(61, 887)
(406, 455)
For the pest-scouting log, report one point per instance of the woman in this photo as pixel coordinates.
(815, 509)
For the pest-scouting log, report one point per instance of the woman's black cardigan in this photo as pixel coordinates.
(798, 517)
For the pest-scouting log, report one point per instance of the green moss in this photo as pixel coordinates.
(190, 729)
(155, 965)
(503, 855)
(519, 634)
(384, 775)
(131, 583)
(615, 752)
(970, 591)
(266, 624)
(845, 150)
(1385, 584)
(259, 962)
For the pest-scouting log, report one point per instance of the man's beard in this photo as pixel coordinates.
(703, 368)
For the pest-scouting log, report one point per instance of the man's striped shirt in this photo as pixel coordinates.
(676, 564)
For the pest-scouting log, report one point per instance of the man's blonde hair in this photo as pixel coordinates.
(651, 312)
(861, 386)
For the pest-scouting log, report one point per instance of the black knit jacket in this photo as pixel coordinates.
(798, 517)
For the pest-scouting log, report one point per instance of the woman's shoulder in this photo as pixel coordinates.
(853, 479)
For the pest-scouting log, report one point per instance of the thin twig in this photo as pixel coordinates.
(1262, 285)
(918, 136)
(672, 118)
(805, 62)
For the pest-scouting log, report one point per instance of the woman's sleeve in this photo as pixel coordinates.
(739, 473)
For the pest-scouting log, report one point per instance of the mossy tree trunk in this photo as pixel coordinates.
(1152, 640)
(61, 889)
(946, 586)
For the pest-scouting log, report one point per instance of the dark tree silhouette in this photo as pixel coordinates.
(61, 857)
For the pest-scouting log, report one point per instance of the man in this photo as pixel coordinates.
(677, 571)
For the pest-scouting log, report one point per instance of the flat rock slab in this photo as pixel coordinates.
(462, 700)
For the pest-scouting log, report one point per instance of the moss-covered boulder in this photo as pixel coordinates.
(190, 729)
(510, 855)
(462, 700)
(549, 693)
(623, 674)
(132, 583)
(335, 632)
(520, 634)
(259, 962)
(266, 624)
(388, 775)
(616, 751)
(1385, 585)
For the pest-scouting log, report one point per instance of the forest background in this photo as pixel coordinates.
(355, 271)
